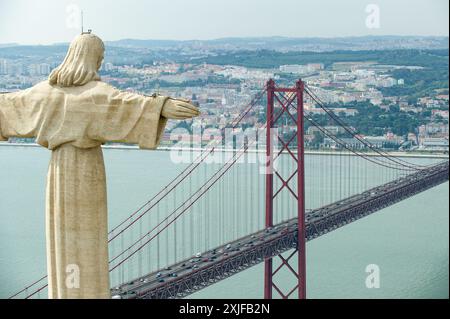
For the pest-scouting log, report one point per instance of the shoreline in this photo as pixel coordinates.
(307, 152)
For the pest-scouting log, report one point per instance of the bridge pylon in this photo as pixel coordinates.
(286, 104)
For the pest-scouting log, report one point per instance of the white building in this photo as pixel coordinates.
(434, 144)
(301, 69)
(108, 66)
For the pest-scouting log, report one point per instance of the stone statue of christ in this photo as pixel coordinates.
(73, 114)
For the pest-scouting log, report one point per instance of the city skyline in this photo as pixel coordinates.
(52, 21)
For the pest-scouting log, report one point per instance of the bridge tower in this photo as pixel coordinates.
(288, 101)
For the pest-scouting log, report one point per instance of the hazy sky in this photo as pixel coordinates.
(50, 21)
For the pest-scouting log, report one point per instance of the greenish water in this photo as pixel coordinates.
(408, 241)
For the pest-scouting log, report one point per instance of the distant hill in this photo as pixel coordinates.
(271, 43)
(32, 51)
(297, 44)
(433, 59)
(5, 45)
(252, 52)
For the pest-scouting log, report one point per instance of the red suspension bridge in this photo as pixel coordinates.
(235, 206)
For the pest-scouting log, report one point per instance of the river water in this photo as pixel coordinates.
(409, 241)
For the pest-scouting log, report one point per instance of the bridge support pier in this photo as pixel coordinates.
(288, 100)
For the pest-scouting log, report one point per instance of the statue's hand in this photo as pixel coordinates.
(178, 109)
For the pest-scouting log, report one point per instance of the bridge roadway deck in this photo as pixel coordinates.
(191, 275)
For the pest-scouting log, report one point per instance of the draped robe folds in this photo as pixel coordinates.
(73, 122)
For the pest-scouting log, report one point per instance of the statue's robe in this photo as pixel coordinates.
(73, 122)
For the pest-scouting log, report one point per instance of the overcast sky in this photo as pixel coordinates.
(50, 21)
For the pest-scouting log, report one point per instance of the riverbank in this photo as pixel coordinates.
(308, 152)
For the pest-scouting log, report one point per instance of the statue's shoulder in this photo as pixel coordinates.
(102, 85)
(43, 86)
(100, 92)
(47, 88)
(41, 89)
(93, 87)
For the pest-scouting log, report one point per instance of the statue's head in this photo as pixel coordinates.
(82, 62)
